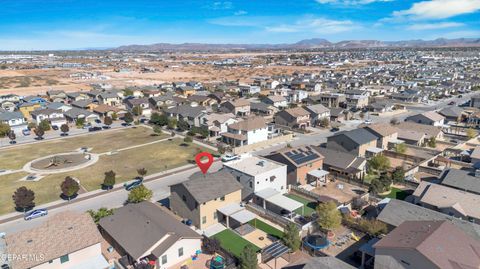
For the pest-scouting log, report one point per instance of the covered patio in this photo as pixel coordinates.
(274, 201)
(317, 176)
(236, 216)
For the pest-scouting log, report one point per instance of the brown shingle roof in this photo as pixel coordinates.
(382, 129)
(249, 124)
(62, 234)
(438, 241)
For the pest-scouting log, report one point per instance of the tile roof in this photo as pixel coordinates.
(137, 228)
(61, 234)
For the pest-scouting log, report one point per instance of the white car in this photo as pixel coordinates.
(230, 157)
(368, 122)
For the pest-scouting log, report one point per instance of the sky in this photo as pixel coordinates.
(78, 24)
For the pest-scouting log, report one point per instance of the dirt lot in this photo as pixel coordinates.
(340, 191)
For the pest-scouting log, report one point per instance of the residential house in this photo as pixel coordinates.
(340, 114)
(199, 198)
(427, 244)
(202, 100)
(463, 180)
(75, 114)
(249, 131)
(87, 104)
(15, 120)
(341, 164)
(220, 97)
(217, 123)
(34, 100)
(297, 118)
(105, 110)
(154, 236)
(381, 107)
(26, 108)
(296, 96)
(475, 101)
(59, 106)
(357, 142)
(357, 101)
(329, 100)
(411, 137)
(162, 101)
(327, 262)
(239, 107)
(428, 130)
(453, 113)
(258, 173)
(450, 201)
(185, 90)
(300, 161)
(318, 112)
(427, 118)
(110, 98)
(65, 240)
(385, 134)
(276, 101)
(53, 116)
(57, 96)
(262, 109)
(246, 90)
(143, 103)
(77, 96)
(190, 114)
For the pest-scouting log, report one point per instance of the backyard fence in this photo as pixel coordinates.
(269, 215)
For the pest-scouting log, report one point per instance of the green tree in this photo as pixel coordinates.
(139, 194)
(159, 119)
(398, 175)
(248, 258)
(45, 125)
(69, 187)
(432, 142)
(394, 121)
(127, 92)
(23, 199)
(4, 129)
(107, 121)
(100, 214)
(172, 123)
(12, 136)
(114, 116)
(157, 130)
(137, 110)
(471, 133)
(128, 117)
(379, 162)
(381, 184)
(80, 122)
(188, 139)
(39, 132)
(64, 128)
(142, 172)
(109, 180)
(400, 148)
(324, 122)
(291, 237)
(373, 228)
(329, 217)
(182, 125)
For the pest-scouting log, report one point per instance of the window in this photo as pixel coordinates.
(215, 215)
(184, 198)
(180, 252)
(164, 259)
(64, 259)
(204, 219)
(250, 184)
(407, 263)
(222, 198)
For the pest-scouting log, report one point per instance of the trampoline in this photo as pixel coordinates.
(217, 263)
(316, 241)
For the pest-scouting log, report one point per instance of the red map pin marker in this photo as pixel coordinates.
(204, 165)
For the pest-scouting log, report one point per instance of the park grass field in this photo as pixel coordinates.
(155, 157)
(15, 157)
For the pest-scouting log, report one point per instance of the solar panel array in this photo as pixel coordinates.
(300, 156)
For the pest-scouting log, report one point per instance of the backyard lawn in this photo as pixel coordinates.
(399, 194)
(309, 207)
(266, 228)
(154, 157)
(233, 243)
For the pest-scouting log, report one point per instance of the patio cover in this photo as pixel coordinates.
(243, 216)
(318, 173)
(266, 193)
(396, 141)
(374, 150)
(284, 202)
(230, 209)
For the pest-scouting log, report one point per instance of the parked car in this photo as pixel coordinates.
(368, 122)
(451, 103)
(126, 124)
(334, 129)
(37, 213)
(55, 127)
(26, 132)
(98, 121)
(87, 126)
(230, 157)
(106, 127)
(132, 185)
(94, 129)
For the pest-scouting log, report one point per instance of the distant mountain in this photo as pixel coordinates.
(313, 43)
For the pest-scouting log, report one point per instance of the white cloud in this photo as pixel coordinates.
(240, 12)
(314, 25)
(351, 2)
(433, 26)
(439, 9)
(220, 5)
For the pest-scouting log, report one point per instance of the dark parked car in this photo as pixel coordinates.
(94, 129)
(335, 129)
(126, 124)
(55, 127)
(132, 185)
(37, 213)
(106, 127)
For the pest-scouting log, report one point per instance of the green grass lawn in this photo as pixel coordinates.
(155, 158)
(309, 206)
(233, 243)
(266, 228)
(398, 194)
